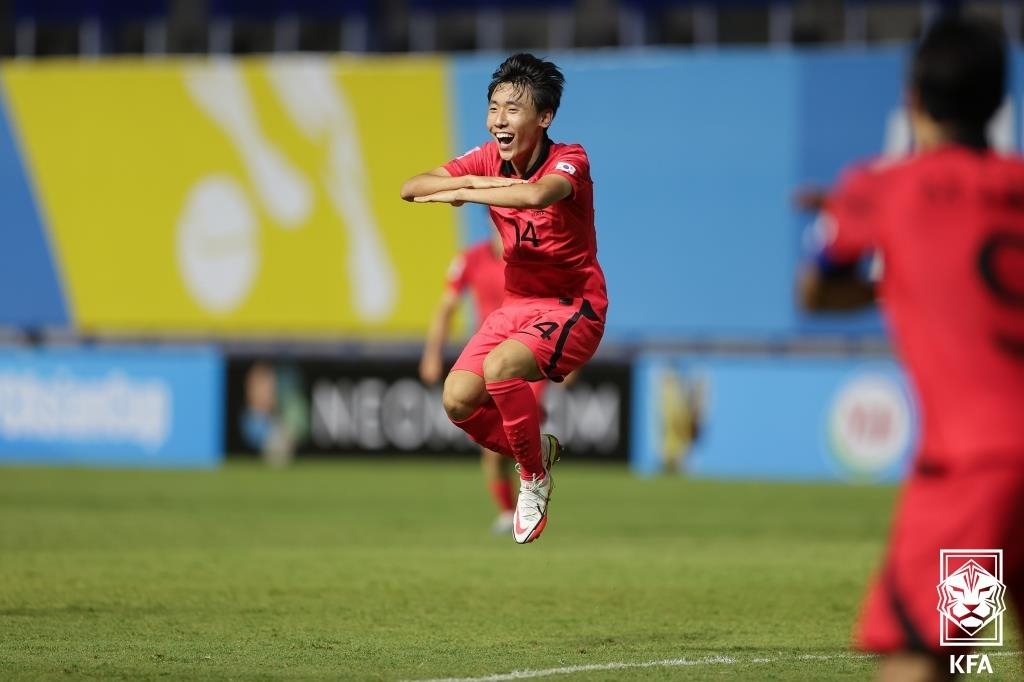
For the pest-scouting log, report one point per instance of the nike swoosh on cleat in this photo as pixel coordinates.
(519, 529)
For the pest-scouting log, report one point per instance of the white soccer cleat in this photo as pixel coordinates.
(532, 506)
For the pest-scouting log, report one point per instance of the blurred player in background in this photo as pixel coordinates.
(541, 200)
(948, 223)
(480, 272)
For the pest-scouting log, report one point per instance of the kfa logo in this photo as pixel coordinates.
(969, 663)
(971, 592)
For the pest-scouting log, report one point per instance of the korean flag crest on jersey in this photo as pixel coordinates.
(566, 167)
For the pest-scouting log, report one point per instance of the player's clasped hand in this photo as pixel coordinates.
(448, 196)
(489, 181)
(451, 196)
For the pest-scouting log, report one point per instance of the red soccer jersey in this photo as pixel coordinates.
(950, 227)
(550, 252)
(481, 272)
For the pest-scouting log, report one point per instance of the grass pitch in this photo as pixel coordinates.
(386, 571)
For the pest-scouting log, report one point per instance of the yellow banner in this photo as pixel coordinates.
(225, 196)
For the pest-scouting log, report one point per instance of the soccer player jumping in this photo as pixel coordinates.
(479, 271)
(552, 319)
(948, 223)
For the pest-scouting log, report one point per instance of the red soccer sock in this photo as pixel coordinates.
(501, 491)
(521, 419)
(485, 427)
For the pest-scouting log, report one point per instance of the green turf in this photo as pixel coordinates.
(386, 571)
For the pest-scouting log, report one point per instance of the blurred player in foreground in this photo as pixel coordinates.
(948, 223)
(541, 199)
(479, 271)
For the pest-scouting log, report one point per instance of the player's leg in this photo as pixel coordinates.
(907, 667)
(508, 370)
(498, 474)
(539, 389)
(892, 621)
(550, 340)
(470, 408)
(968, 510)
(465, 396)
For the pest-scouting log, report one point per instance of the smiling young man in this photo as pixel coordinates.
(541, 200)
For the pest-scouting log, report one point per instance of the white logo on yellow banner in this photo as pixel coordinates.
(222, 195)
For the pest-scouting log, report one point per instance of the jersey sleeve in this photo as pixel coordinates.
(457, 279)
(573, 165)
(469, 163)
(850, 220)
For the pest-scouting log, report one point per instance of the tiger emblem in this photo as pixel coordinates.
(971, 597)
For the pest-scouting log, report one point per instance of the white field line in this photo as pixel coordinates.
(666, 663)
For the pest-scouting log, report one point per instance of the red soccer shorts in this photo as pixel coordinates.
(966, 509)
(562, 334)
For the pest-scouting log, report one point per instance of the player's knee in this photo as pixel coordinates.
(499, 366)
(457, 407)
(461, 398)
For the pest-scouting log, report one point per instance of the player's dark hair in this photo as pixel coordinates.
(959, 73)
(525, 72)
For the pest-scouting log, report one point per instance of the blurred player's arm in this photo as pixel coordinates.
(432, 362)
(833, 277)
(440, 180)
(522, 194)
(834, 288)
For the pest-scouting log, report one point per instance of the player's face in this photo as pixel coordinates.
(514, 122)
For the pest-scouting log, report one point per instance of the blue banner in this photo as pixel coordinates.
(786, 418)
(134, 408)
(694, 156)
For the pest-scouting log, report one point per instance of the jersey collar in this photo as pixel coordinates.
(545, 148)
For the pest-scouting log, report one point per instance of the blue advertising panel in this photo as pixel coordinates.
(134, 408)
(773, 418)
(29, 291)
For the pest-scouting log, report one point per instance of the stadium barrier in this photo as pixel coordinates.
(111, 407)
(248, 206)
(772, 417)
(330, 407)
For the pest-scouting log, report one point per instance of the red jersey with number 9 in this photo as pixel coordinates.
(550, 252)
(949, 225)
